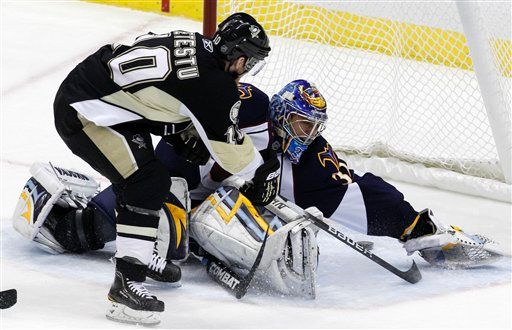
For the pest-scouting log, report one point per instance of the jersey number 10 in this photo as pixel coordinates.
(141, 65)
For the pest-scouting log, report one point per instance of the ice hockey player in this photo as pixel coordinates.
(360, 201)
(180, 86)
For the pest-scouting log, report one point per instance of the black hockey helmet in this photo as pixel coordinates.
(241, 35)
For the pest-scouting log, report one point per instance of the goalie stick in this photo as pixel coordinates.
(228, 278)
(8, 298)
(413, 275)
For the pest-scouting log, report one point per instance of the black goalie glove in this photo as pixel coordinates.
(265, 185)
(190, 147)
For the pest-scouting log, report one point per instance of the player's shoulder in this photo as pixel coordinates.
(254, 108)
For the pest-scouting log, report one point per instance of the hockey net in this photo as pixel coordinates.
(404, 96)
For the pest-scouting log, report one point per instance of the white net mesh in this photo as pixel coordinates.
(397, 76)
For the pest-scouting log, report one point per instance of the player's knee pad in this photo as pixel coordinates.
(173, 227)
(50, 208)
(230, 228)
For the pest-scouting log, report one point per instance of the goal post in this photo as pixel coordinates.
(416, 91)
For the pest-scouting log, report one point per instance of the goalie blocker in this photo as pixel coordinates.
(228, 226)
(56, 210)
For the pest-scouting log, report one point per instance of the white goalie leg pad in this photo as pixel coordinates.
(173, 227)
(289, 265)
(50, 186)
(451, 247)
(228, 226)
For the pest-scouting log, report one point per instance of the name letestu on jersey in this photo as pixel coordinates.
(185, 51)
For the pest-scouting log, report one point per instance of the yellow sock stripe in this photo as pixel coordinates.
(409, 229)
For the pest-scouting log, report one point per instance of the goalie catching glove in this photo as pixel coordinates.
(448, 247)
(231, 229)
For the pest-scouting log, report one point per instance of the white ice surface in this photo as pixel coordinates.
(41, 42)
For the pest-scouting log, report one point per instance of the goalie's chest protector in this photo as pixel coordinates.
(314, 180)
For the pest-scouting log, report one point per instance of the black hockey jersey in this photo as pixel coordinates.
(164, 82)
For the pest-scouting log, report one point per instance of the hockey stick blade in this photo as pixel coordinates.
(412, 275)
(8, 298)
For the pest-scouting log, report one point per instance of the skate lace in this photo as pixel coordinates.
(139, 289)
(157, 263)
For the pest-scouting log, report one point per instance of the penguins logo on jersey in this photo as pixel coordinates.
(139, 140)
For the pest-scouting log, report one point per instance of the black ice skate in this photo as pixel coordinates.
(131, 302)
(163, 270)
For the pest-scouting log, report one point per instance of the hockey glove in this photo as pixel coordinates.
(190, 147)
(265, 185)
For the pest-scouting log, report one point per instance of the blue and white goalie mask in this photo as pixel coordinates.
(299, 115)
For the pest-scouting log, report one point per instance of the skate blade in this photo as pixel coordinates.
(124, 314)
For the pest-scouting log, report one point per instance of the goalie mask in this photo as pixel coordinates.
(240, 35)
(230, 228)
(298, 113)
